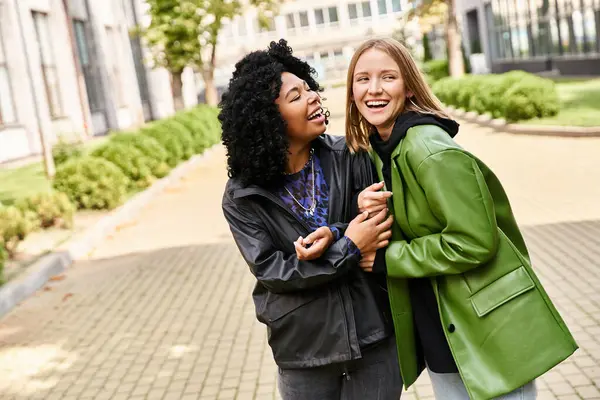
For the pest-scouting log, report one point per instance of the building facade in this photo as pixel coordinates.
(66, 69)
(323, 32)
(557, 36)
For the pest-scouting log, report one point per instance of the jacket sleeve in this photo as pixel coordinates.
(458, 196)
(277, 270)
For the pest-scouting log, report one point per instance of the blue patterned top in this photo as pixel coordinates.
(300, 185)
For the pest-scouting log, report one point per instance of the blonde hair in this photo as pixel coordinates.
(423, 101)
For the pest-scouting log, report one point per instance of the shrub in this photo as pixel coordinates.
(130, 160)
(198, 129)
(15, 225)
(170, 143)
(51, 209)
(436, 69)
(91, 183)
(515, 96)
(156, 155)
(64, 150)
(532, 97)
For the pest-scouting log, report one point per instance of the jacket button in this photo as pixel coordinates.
(451, 328)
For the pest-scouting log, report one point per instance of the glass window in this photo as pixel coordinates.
(396, 6)
(47, 65)
(319, 17)
(289, 19)
(352, 11)
(83, 51)
(303, 18)
(7, 111)
(382, 7)
(333, 14)
(366, 9)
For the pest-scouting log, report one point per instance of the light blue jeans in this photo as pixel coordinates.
(451, 387)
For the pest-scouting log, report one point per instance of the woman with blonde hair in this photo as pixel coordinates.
(465, 300)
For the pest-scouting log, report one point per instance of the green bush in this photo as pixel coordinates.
(532, 97)
(51, 209)
(170, 143)
(514, 96)
(198, 129)
(156, 155)
(92, 183)
(15, 225)
(130, 160)
(64, 150)
(172, 127)
(436, 69)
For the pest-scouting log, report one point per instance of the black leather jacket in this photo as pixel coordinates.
(317, 312)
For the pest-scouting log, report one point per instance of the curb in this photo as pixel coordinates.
(522, 129)
(55, 263)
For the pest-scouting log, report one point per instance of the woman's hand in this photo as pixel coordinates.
(367, 261)
(372, 199)
(320, 240)
(370, 234)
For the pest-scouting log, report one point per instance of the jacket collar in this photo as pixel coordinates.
(323, 145)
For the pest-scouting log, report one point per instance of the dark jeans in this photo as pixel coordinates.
(376, 376)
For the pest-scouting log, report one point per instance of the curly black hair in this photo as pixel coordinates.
(254, 133)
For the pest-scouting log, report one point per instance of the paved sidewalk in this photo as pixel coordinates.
(162, 310)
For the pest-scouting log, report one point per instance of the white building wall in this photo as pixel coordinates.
(17, 28)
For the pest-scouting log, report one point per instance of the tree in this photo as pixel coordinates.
(173, 36)
(432, 12)
(217, 12)
(426, 48)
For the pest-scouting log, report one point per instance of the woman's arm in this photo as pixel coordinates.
(277, 270)
(458, 196)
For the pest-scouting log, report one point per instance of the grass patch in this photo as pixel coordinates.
(19, 182)
(579, 104)
(22, 182)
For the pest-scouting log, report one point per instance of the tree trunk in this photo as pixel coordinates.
(177, 90)
(455, 60)
(208, 74)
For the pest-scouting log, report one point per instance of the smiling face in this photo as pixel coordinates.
(300, 107)
(378, 89)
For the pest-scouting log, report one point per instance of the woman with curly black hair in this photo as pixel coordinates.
(291, 203)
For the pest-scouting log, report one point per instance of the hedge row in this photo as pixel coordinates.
(514, 96)
(101, 180)
(133, 160)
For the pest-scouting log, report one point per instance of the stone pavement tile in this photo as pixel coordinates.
(588, 392)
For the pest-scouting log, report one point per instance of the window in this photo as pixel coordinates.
(303, 18)
(333, 14)
(83, 51)
(113, 59)
(382, 7)
(396, 6)
(289, 18)
(352, 11)
(47, 64)
(7, 110)
(366, 9)
(319, 17)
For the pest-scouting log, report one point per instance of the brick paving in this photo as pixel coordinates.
(162, 309)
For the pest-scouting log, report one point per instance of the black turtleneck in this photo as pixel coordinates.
(432, 346)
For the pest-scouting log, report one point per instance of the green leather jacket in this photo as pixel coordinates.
(454, 224)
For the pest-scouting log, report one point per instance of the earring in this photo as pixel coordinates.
(326, 113)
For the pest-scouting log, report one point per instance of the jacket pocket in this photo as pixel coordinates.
(283, 304)
(501, 291)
